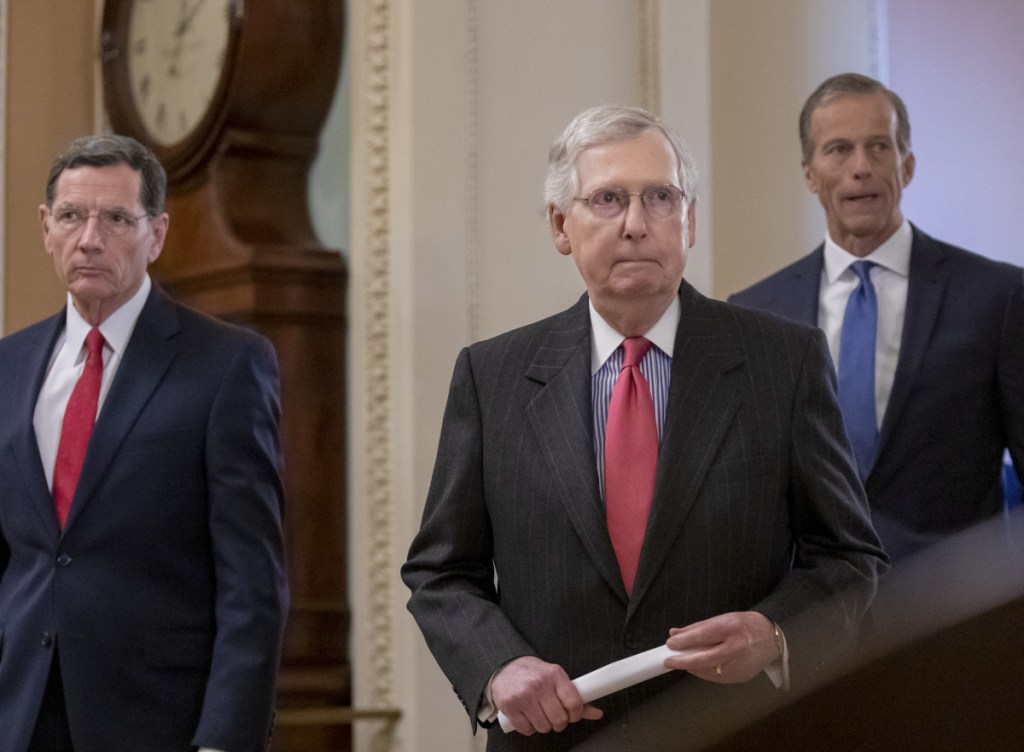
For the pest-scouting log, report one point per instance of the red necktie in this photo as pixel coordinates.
(77, 427)
(630, 459)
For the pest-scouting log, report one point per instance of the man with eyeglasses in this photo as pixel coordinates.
(142, 587)
(647, 468)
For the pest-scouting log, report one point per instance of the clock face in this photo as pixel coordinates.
(176, 53)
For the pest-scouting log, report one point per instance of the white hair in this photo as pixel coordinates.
(606, 124)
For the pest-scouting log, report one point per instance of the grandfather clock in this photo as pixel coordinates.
(231, 96)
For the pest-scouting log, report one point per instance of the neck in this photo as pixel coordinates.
(93, 314)
(863, 246)
(632, 318)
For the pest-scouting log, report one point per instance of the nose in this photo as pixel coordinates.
(90, 235)
(860, 163)
(635, 219)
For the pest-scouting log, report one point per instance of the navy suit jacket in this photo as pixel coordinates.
(165, 592)
(756, 506)
(958, 396)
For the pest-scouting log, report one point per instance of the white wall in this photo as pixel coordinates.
(766, 58)
(959, 66)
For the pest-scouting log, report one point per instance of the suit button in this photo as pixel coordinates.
(47, 641)
(631, 642)
(64, 560)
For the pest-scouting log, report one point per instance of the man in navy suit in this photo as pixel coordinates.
(754, 514)
(142, 602)
(949, 349)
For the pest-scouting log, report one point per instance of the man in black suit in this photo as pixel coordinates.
(949, 348)
(753, 512)
(142, 587)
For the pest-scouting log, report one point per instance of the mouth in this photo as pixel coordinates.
(861, 198)
(634, 262)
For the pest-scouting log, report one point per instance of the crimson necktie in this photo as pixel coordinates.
(630, 459)
(77, 427)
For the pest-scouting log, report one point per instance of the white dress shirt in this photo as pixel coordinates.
(890, 277)
(67, 363)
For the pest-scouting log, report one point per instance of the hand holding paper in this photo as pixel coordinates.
(615, 676)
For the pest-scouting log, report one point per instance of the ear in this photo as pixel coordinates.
(809, 178)
(44, 220)
(909, 163)
(557, 222)
(691, 222)
(159, 225)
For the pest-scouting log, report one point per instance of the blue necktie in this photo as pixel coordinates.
(857, 368)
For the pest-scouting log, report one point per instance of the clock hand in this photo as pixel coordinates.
(175, 52)
(186, 17)
(189, 16)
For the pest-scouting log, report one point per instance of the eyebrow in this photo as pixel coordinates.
(72, 205)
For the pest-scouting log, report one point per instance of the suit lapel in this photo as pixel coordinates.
(561, 416)
(149, 353)
(926, 287)
(798, 296)
(35, 359)
(701, 405)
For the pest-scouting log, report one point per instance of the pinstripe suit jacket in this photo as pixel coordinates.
(958, 395)
(756, 504)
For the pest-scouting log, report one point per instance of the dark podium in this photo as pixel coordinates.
(941, 668)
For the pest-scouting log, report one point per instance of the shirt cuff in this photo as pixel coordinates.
(778, 671)
(488, 713)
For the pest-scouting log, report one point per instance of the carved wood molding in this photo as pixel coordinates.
(377, 457)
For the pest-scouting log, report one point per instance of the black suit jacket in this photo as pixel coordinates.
(958, 396)
(756, 505)
(165, 592)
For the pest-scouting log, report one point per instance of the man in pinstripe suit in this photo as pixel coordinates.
(757, 513)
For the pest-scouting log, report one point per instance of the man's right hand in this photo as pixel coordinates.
(538, 697)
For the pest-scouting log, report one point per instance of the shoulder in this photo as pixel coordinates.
(965, 265)
(565, 329)
(202, 325)
(33, 334)
(803, 270)
(750, 334)
(754, 324)
(197, 330)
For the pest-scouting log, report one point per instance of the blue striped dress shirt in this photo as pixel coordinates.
(656, 367)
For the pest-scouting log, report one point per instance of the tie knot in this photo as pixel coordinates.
(94, 341)
(635, 349)
(862, 270)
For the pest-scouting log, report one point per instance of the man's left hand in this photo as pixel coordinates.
(728, 649)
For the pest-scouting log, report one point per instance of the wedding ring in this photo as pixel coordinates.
(718, 669)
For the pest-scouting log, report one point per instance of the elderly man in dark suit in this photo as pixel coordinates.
(942, 368)
(142, 587)
(649, 467)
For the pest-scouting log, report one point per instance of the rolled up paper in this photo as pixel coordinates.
(615, 676)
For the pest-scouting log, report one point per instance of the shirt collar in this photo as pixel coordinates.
(604, 340)
(115, 330)
(893, 254)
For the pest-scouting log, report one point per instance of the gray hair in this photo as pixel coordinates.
(606, 124)
(110, 151)
(846, 84)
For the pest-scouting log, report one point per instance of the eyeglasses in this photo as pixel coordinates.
(660, 201)
(111, 222)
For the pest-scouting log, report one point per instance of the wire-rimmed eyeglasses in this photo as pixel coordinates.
(111, 222)
(660, 201)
